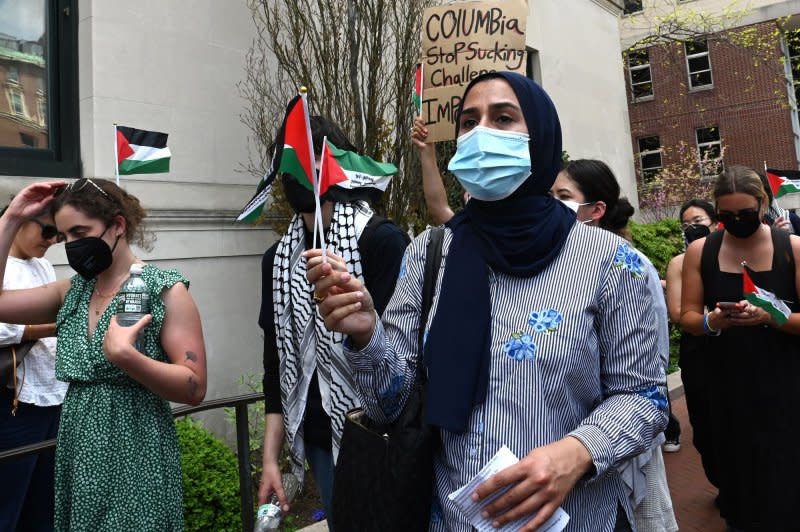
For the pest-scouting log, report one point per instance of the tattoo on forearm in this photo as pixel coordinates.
(190, 356)
(192, 386)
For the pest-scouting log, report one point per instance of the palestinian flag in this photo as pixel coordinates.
(330, 171)
(418, 89)
(294, 155)
(765, 299)
(365, 178)
(783, 182)
(142, 152)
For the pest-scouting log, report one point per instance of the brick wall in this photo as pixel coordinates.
(748, 103)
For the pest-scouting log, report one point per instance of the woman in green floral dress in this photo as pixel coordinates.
(117, 460)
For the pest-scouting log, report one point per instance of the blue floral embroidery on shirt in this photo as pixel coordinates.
(390, 398)
(545, 321)
(654, 395)
(520, 347)
(403, 269)
(628, 258)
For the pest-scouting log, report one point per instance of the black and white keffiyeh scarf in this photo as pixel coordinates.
(303, 342)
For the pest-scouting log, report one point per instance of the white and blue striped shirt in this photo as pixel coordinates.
(573, 352)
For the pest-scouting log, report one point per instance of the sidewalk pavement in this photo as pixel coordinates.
(692, 494)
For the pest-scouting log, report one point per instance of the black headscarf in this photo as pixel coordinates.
(519, 235)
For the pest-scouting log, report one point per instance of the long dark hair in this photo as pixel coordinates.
(597, 183)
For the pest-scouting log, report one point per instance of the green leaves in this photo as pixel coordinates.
(210, 480)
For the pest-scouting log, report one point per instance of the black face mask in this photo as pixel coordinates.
(300, 199)
(695, 231)
(89, 256)
(741, 225)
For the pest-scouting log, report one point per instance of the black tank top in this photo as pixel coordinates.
(727, 286)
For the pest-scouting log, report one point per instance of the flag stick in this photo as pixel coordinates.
(318, 217)
(313, 165)
(116, 155)
(765, 167)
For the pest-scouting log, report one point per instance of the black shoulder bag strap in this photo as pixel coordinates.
(433, 261)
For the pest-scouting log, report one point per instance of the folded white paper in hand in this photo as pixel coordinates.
(462, 498)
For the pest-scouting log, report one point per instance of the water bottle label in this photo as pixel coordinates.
(136, 302)
(268, 510)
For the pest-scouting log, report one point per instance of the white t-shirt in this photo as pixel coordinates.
(40, 386)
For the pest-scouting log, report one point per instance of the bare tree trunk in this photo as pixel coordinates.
(353, 40)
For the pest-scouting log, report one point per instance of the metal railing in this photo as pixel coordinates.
(239, 402)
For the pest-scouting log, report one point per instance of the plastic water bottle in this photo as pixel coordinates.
(133, 302)
(270, 515)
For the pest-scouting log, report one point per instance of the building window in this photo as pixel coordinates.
(632, 6)
(39, 47)
(15, 97)
(12, 74)
(650, 157)
(41, 107)
(709, 151)
(640, 74)
(27, 140)
(698, 64)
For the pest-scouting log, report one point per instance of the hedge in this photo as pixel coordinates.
(210, 480)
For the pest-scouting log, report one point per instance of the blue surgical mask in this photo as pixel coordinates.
(491, 164)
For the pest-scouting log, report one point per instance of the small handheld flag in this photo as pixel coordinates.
(293, 155)
(418, 88)
(764, 299)
(141, 152)
(783, 182)
(330, 172)
(365, 178)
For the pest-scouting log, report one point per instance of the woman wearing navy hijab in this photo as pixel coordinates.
(541, 336)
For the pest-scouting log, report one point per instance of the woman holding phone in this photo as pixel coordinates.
(756, 362)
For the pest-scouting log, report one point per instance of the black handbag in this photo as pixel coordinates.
(384, 477)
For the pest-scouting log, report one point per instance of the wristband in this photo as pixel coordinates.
(707, 327)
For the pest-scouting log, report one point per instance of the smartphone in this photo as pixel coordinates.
(730, 307)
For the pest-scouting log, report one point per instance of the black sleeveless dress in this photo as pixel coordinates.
(754, 399)
(693, 361)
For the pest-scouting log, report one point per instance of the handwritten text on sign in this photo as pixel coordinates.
(460, 42)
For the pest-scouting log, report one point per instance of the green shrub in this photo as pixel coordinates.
(660, 241)
(210, 480)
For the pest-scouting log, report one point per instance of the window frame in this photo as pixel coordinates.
(650, 172)
(793, 56)
(625, 11)
(62, 156)
(631, 83)
(705, 145)
(689, 73)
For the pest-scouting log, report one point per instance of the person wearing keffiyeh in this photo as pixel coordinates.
(308, 386)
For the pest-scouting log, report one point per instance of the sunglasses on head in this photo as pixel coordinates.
(80, 184)
(49, 231)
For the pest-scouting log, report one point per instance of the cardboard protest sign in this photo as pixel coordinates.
(461, 41)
